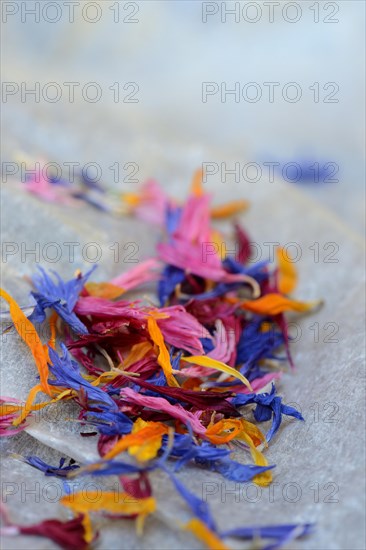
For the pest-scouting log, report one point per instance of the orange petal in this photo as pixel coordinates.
(132, 199)
(52, 322)
(287, 274)
(150, 431)
(203, 533)
(163, 357)
(28, 405)
(273, 304)
(104, 290)
(29, 335)
(224, 431)
(149, 445)
(196, 185)
(228, 209)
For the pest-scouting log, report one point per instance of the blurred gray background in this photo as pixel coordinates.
(167, 49)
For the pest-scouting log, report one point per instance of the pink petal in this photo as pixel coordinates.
(162, 405)
(145, 272)
(196, 258)
(182, 330)
(194, 224)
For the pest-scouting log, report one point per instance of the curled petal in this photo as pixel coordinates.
(204, 361)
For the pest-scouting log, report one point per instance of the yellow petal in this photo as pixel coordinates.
(252, 431)
(105, 376)
(287, 274)
(203, 533)
(253, 436)
(138, 352)
(29, 407)
(218, 240)
(147, 450)
(112, 502)
(149, 446)
(205, 361)
(149, 432)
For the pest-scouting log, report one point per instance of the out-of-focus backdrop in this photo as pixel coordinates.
(148, 82)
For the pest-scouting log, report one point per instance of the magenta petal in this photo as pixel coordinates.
(162, 405)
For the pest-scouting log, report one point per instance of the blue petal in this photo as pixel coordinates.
(207, 344)
(258, 271)
(60, 296)
(170, 278)
(107, 418)
(60, 471)
(172, 218)
(199, 508)
(281, 533)
(254, 344)
(262, 413)
(115, 467)
(240, 473)
(268, 405)
(277, 418)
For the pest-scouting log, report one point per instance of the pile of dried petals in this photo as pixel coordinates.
(168, 384)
